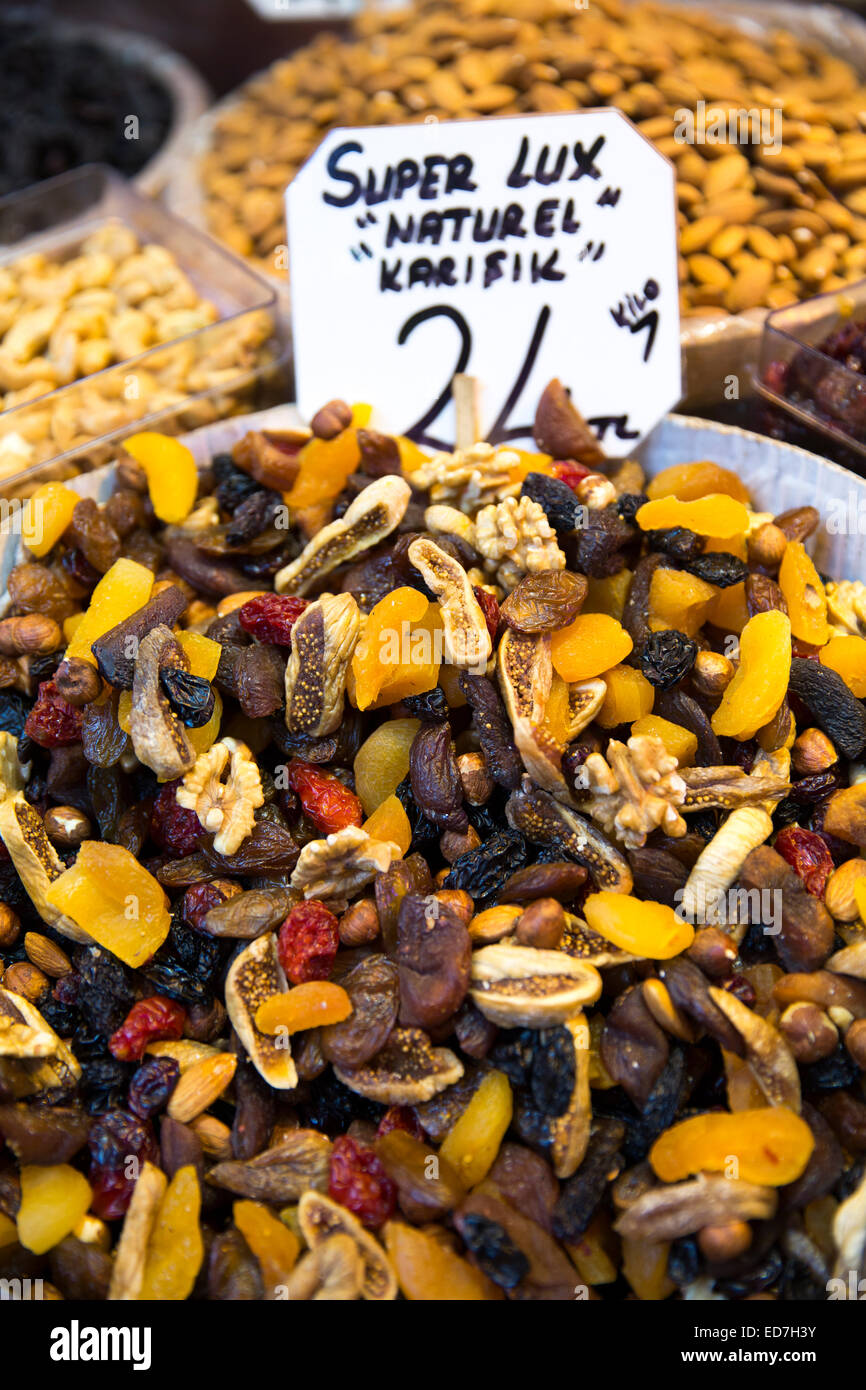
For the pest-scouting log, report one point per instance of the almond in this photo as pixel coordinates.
(199, 1087)
(839, 897)
(46, 955)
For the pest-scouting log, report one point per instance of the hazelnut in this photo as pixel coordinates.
(475, 778)
(331, 420)
(839, 897)
(456, 842)
(67, 827)
(809, 1032)
(711, 674)
(10, 926)
(725, 1242)
(855, 1041)
(812, 751)
(541, 924)
(26, 979)
(77, 681)
(34, 633)
(459, 901)
(713, 951)
(359, 924)
(767, 546)
(595, 491)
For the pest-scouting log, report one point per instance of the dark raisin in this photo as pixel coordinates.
(435, 777)
(493, 728)
(233, 486)
(431, 707)
(555, 498)
(254, 515)
(483, 871)
(424, 832)
(628, 504)
(831, 1073)
(719, 568)
(191, 697)
(581, 1194)
(596, 548)
(667, 657)
(494, 1250)
(553, 1070)
(151, 1087)
(676, 541)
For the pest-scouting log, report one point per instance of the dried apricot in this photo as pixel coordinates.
(324, 465)
(716, 515)
(728, 609)
(770, 1146)
(46, 516)
(385, 648)
(53, 1200)
(760, 682)
(650, 930)
(688, 481)
(629, 697)
(681, 743)
(121, 591)
(114, 900)
(593, 643)
(678, 600)
(202, 653)
(645, 1268)
(309, 1005)
(847, 657)
(804, 595)
(472, 1143)
(557, 719)
(172, 477)
(175, 1249)
(608, 595)
(275, 1247)
(428, 1271)
(389, 822)
(382, 761)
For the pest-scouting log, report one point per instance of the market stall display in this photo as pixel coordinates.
(560, 756)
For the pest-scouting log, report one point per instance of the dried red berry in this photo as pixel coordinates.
(112, 1192)
(150, 1020)
(271, 617)
(400, 1117)
(198, 901)
(808, 855)
(490, 608)
(308, 941)
(742, 988)
(53, 722)
(327, 801)
(359, 1182)
(570, 472)
(172, 827)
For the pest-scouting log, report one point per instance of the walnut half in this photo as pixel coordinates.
(225, 809)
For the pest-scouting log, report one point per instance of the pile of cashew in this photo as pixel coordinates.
(62, 321)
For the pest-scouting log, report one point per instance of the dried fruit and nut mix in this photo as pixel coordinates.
(766, 218)
(442, 880)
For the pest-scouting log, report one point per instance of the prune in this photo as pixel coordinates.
(835, 710)
(483, 871)
(261, 681)
(596, 549)
(115, 650)
(667, 657)
(581, 1194)
(719, 568)
(666, 1096)
(435, 777)
(493, 729)
(431, 707)
(191, 697)
(677, 541)
(544, 602)
(373, 987)
(680, 708)
(176, 983)
(494, 1250)
(552, 1074)
(555, 498)
(151, 1087)
(634, 1048)
(433, 955)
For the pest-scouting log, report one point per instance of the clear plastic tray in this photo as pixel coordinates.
(807, 383)
(204, 375)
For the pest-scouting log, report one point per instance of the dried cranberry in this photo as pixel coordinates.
(808, 855)
(173, 827)
(150, 1020)
(490, 609)
(570, 472)
(152, 1085)
(400, 1117)
(198, 901)
(53, 722)
(327, 801)
(271, 617)
(112, 1192)
(119, 1143)
(308, 942)
(739, 986)
(359, 1182)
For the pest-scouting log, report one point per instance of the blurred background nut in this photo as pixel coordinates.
(10, 926)
(46, 955)
(809, 1032)
(459, 901)
(475, 778)
(331, 420)
(27, 979)
(839, 897)
(67, 827)
(78, 681)
(725, 1242)
(541, 925)
(812, 751)
(31, 633)
(767, 546)
(855, 1041)
(711, 674)
(359, 924)
(713, 951)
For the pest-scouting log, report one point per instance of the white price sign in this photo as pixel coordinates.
(513, 250)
